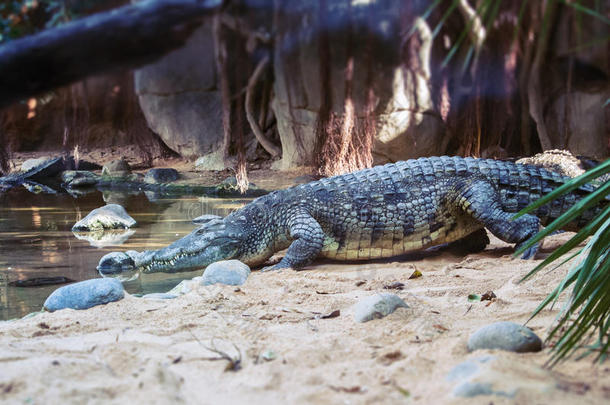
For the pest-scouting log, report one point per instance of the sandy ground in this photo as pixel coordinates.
(158, 351)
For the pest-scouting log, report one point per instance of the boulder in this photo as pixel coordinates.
(377, 306)
(230, 272)
(111, 216)
(85, 294)
(180, 97)
(116, 168)
(161, 175)
(508, 336)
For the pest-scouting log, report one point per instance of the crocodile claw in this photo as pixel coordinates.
(529, 253)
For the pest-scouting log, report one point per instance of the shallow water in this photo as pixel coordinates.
(36, 240)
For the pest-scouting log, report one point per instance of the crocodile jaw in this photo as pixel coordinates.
(203, 246)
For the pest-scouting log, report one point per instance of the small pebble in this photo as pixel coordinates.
(377, 306)
(229, 272)
(508, 336)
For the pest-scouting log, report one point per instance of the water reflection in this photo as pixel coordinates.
(105, 238)
(36, 239)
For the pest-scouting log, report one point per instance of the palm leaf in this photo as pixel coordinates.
(588, 309)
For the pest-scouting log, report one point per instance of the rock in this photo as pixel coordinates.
(185, 286)
(32, 163)
(116, 168)
(46, 169)
(508, 336)
(85, 294)
(230, 272)
(377, 306)
(160, 296)
(211, 161)
(181, 99)
(111, 216)
(500, 377)
(79, 178)
(161, 175)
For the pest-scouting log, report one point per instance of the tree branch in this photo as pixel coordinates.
(126, 37)
(269, 146)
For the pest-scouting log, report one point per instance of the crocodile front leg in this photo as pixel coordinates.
(480, 199)
(308, 239)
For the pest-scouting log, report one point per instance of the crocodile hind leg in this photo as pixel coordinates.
(480, 199)
(473, 243)
(308, 239)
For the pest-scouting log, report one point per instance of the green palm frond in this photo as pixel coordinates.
(587, 311)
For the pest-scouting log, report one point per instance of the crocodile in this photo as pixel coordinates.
(373, 213)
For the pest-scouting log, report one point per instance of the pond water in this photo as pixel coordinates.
(36, 239)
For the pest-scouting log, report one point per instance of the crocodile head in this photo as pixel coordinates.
(215, 240)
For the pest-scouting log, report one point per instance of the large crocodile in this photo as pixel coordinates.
(373, 213)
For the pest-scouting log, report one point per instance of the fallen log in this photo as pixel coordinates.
(126, 37)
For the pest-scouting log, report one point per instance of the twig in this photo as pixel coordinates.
(234, 361)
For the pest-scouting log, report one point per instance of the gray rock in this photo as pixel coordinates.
(32, 163)
(79, 178)
(161, 175)
(180, 98)
(111, 216)
(44, 170)
(211, 161)
(377, 306)
(230, 272)
(116, 168)
(500, 377)
(505, 336)
(184, 287)
(85, 294)
(159, 296)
